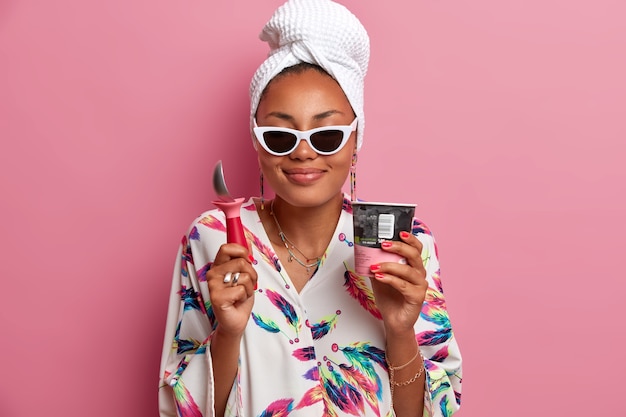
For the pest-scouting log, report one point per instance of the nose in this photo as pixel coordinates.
(303, 151)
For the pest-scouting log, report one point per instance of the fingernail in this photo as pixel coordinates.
(374, 267)
(251, 258)
(404, 235)
(386, 244)
(379, 276)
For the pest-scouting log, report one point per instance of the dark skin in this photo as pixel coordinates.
(308, 202)
(232, 306)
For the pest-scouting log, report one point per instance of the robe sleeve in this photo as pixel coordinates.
(185, 381)
(442, 357)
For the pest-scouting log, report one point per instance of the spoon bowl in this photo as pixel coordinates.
(219, 184)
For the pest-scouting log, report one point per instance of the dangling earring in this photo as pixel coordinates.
(262, 189)
(353, 177)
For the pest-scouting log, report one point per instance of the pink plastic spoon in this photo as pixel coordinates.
(231, 208)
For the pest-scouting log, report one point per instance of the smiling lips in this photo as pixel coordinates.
(303, 175)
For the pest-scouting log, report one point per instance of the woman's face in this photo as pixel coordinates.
(305, 101)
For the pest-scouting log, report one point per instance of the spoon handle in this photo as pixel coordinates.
(234, 229)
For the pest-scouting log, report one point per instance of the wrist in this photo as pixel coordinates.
(222, 337)
(399, 337)
(405, 363)
(401, 349)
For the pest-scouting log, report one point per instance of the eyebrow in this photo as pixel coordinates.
(290, 118)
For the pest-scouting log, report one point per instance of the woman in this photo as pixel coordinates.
(286, 327)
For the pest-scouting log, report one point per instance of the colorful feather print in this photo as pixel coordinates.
(201, 273)
(437, 280)
(265, 323)
(266, 252)
(362, 356)
(425, 256)
(438, 388)
(357, 288)
(249, 207)
(322, 260)
(324, 326)
(341, 393)
(291, 318)
(312, 374)
(304, 354)
(435, 297)
(354, 403)
(435, 314)
(194, 234)
(286, 308)
(186, 257)
(368, 388)
(440, 355)
(187, 345)
(315, 395)
(434, 337)
(334, 392)
(279, 408)
(212, 223)
(444, 406)
(363, 352)
(347, 387)
(210, 314)
(346, 205)
(176, 342)
(185, 403)
(190, 299)
(420, 227)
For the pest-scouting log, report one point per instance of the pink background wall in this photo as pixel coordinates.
(504, 120)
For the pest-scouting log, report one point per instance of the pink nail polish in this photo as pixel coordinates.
(379, 275)
(374, 267)
(386, 244)
(404, 235)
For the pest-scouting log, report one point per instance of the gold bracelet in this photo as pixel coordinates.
(392, 369)
(397, 368)
(410, 381)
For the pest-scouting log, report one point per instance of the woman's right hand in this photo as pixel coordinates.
(232, 302)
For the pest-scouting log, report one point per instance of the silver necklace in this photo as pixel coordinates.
(288, 243)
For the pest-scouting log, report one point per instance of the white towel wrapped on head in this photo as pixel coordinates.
(319, 32)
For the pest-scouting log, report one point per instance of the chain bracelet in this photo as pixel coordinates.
(392, 369)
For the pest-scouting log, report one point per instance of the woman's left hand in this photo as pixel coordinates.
(399, 289)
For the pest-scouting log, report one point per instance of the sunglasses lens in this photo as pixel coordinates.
(279, 142)
(327, 140)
